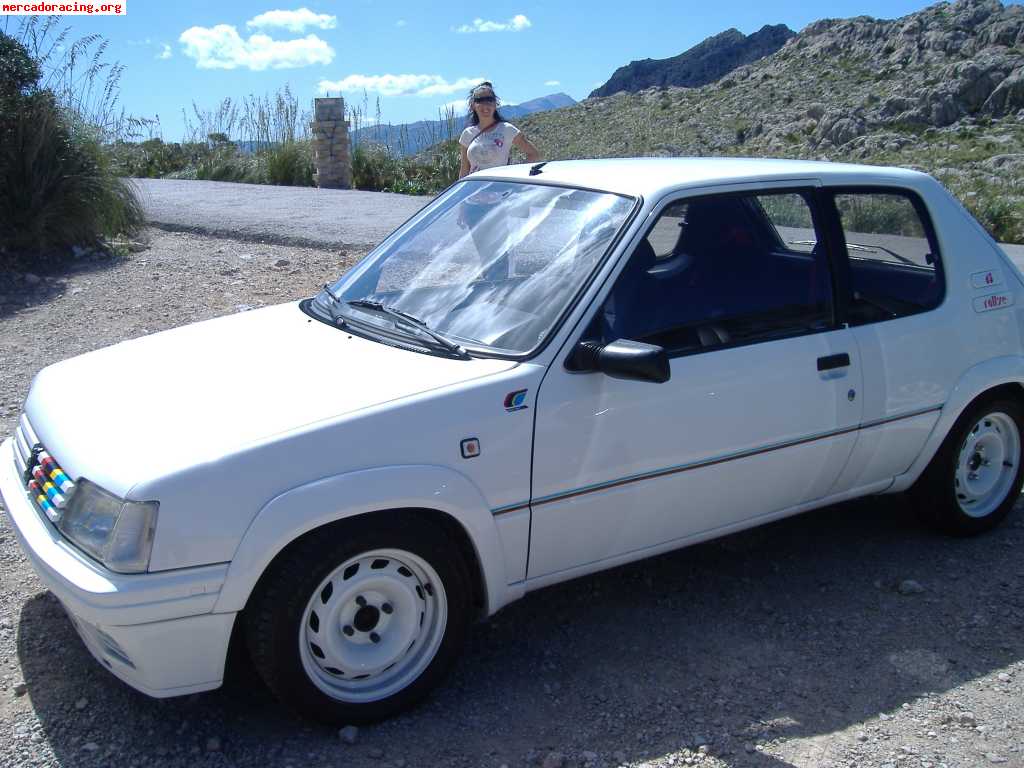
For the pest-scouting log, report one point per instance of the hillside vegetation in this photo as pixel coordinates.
(941, 90)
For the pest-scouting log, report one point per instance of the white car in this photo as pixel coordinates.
(550, 370)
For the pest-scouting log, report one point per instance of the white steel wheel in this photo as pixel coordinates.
(373, 625)
(987, 464)
(974, 479)
(363, 618)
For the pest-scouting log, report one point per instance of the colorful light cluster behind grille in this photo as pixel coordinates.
(50, 486)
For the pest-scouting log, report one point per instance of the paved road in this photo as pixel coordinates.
(286, 215)
(293, 215)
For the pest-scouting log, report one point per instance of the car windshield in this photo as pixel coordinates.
(489, 265)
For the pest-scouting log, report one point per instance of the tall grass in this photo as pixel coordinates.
(382, 154)
(57, 185)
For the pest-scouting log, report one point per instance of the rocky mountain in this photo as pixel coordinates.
(410, 138)
(704, 63)
(941, 90)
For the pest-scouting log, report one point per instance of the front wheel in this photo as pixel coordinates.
(974, 480)
(360, 621)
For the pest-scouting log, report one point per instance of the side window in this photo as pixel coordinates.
(893, 258)
(723, 270)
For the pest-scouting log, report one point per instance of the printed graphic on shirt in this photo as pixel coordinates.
(489, 149)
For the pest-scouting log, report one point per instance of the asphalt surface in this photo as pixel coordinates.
(336, 218)
(293, 215)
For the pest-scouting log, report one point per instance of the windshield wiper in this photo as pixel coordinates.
(418, 324)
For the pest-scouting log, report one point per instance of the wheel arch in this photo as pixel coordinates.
(1002, 376)
(432, 493)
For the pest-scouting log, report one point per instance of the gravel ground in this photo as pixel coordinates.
(844, 637)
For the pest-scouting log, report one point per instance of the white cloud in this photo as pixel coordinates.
(165, 52)
(221, 47)
(458, 107)
(293, 21)
(399, 85)
(517, 23)
(552, 82)
(400, 23)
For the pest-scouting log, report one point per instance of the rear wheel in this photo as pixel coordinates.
(974, 480)
(362, 620)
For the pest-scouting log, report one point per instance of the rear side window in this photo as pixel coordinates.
(894, 266)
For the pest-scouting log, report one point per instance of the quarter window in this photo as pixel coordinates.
(893, 259)
(721, 271)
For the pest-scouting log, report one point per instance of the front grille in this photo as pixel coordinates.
(46, 482)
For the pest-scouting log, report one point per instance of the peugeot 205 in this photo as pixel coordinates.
(548, 371)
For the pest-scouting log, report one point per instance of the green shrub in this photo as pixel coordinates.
(290, 164)
(57, 184)
(57, 188)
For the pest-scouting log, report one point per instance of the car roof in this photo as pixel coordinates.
(652, 176)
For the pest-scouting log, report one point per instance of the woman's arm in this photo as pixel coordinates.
(532, 155)
(463, 161)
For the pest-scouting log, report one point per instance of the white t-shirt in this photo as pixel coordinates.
(491, 149)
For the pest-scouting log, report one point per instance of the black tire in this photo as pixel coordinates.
(935, 494)
(275, 613)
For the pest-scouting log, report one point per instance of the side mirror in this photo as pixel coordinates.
(623, 359)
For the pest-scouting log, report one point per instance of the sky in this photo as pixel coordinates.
(414, 56)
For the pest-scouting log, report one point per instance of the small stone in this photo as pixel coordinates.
(884, 716)
(861, 736)
(749, 748)
(1003, 677)
(994, 758)
(282, 263)
(90, 746)
(81, 704)
(243, 307)
(376, 753)
(910, 587)
(588, 756)
(349, 734)
(20, 689)
(553, 760)
(703, 749)
(213, 744)
(968, 719)
(32, 279)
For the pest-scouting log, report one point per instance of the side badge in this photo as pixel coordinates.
(516, 401)
(470, 448)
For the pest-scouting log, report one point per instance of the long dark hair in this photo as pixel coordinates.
(473, 118)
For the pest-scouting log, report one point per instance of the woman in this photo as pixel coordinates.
(488, 140)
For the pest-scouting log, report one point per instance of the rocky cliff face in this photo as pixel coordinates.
(702, 64)
(941, 90)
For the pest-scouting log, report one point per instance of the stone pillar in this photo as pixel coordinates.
(330, 144)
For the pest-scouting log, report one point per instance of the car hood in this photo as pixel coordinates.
(158, 404)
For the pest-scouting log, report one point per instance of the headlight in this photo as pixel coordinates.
(116, 532)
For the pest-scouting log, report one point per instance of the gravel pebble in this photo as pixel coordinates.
(910, 587)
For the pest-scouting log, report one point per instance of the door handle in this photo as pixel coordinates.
(829, 362)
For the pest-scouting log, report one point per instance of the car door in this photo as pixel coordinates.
(891, 290)
(760, 412)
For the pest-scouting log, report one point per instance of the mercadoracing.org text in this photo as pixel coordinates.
(70, 9)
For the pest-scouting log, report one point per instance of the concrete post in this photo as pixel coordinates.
(330, 144)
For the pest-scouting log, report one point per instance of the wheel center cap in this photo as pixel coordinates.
(975, 462)
(366, 618)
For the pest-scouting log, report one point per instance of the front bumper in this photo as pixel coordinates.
(155, 631)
